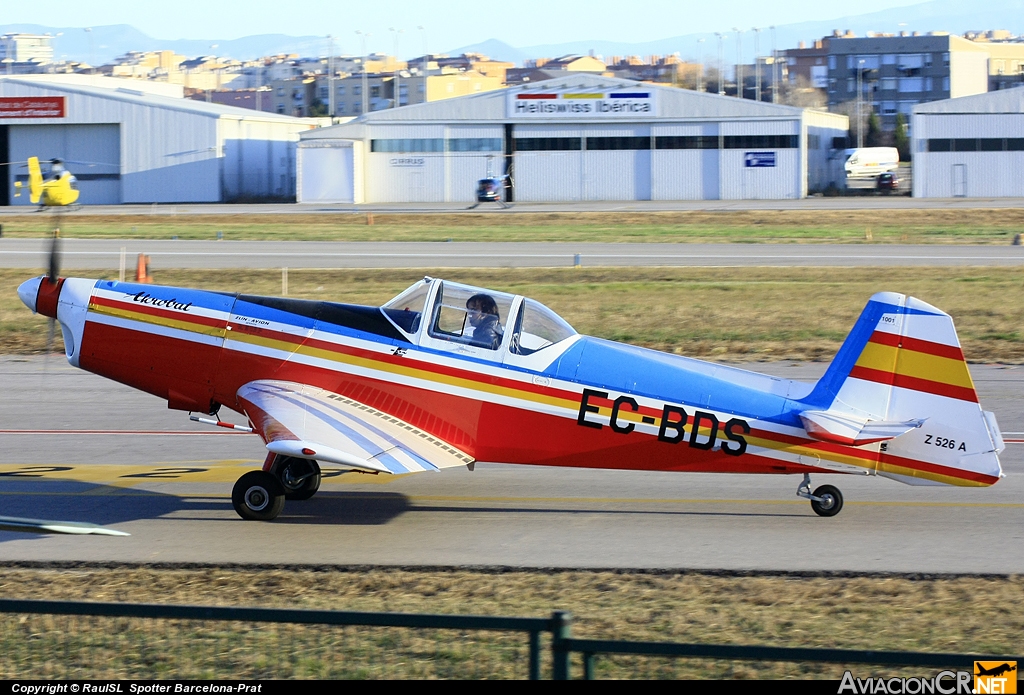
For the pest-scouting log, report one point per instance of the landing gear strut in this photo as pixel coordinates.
(826, 499)
(299, 477)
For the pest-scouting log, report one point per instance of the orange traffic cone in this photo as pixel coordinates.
(142, 270)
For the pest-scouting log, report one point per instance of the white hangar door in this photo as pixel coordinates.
(548, 163)
(617, 163)
(326, 172)
(92, 152)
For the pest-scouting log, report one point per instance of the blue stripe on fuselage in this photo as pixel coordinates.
(674, 379)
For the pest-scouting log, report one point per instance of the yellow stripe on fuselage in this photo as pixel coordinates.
(189, 326)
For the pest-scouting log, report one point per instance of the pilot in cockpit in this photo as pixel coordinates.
(486, 323)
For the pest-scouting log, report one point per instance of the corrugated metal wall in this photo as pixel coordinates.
(685, 174)
(168, 150)
(967, 174)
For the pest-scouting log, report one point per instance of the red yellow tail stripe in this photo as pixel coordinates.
(915, 364)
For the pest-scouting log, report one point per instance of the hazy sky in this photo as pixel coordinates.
(448, 24)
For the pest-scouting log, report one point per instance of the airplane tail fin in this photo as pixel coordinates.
(35, 180)
(900, 382)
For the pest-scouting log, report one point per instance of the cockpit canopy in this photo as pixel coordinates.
(484, 319)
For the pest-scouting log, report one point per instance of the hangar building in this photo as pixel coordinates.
(971, 147)
(582, 137)
(137, 145)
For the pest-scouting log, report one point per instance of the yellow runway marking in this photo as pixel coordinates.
(128, 475)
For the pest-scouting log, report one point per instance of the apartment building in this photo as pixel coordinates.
(892, 74)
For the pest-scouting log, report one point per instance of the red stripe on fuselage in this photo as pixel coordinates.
(158, 312)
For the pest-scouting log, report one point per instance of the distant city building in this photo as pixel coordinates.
(26, 48)
(669, 69)
(810, 64)
(547, 68)
(413, 88)
(892, 74)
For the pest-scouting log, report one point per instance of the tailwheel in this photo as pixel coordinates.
(827, 500)
(299, 477)
(258, 496)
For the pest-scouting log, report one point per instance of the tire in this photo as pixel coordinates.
(832, 501)
(290, 470)
(258, 496)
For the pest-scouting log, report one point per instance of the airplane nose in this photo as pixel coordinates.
(29, 292)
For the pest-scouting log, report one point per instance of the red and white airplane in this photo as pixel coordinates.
(447, 375)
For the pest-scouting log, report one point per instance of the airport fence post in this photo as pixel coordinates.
(561, 630)
(534, 655)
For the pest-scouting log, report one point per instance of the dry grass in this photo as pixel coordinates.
(925, 614)
(979, 226)
(719, 313)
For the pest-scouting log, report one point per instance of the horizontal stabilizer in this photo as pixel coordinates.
(844, 428)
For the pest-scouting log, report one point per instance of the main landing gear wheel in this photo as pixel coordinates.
(300, 478)
(829, 502)
(258, 496)
(826, 500)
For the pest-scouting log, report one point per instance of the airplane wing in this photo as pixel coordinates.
(309, 422)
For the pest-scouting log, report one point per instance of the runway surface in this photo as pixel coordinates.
(868, 202)
(104, 254)
(80, 448)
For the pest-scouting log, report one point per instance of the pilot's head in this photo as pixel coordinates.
(479, 306)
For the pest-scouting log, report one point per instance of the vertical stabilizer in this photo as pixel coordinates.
(902, 370)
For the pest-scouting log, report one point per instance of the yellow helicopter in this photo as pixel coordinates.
(59, 189)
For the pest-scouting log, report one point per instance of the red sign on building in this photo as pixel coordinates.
(32, 107)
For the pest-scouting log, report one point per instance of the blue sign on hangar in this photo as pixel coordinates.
(759, 159)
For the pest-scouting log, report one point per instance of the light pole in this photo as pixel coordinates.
(425, 65)
(364, 35)
(700, 65)
(330, 76)
(259, 86)
(92, 53)
(209, 92)
(721, 63)
(739, 61)
(775, 69)
(397, 76)
(860, 94)
(757, 63)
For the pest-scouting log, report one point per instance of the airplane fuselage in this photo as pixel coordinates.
(588, 403)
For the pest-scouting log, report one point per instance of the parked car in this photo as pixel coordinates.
(887, 182)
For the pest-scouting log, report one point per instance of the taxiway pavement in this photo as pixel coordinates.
(105, 254)
(77, 447)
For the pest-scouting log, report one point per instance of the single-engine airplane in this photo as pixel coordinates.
(59, 189)
(447, 375)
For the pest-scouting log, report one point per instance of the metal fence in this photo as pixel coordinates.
(70, 639)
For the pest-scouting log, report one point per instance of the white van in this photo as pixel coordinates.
(869, 162)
